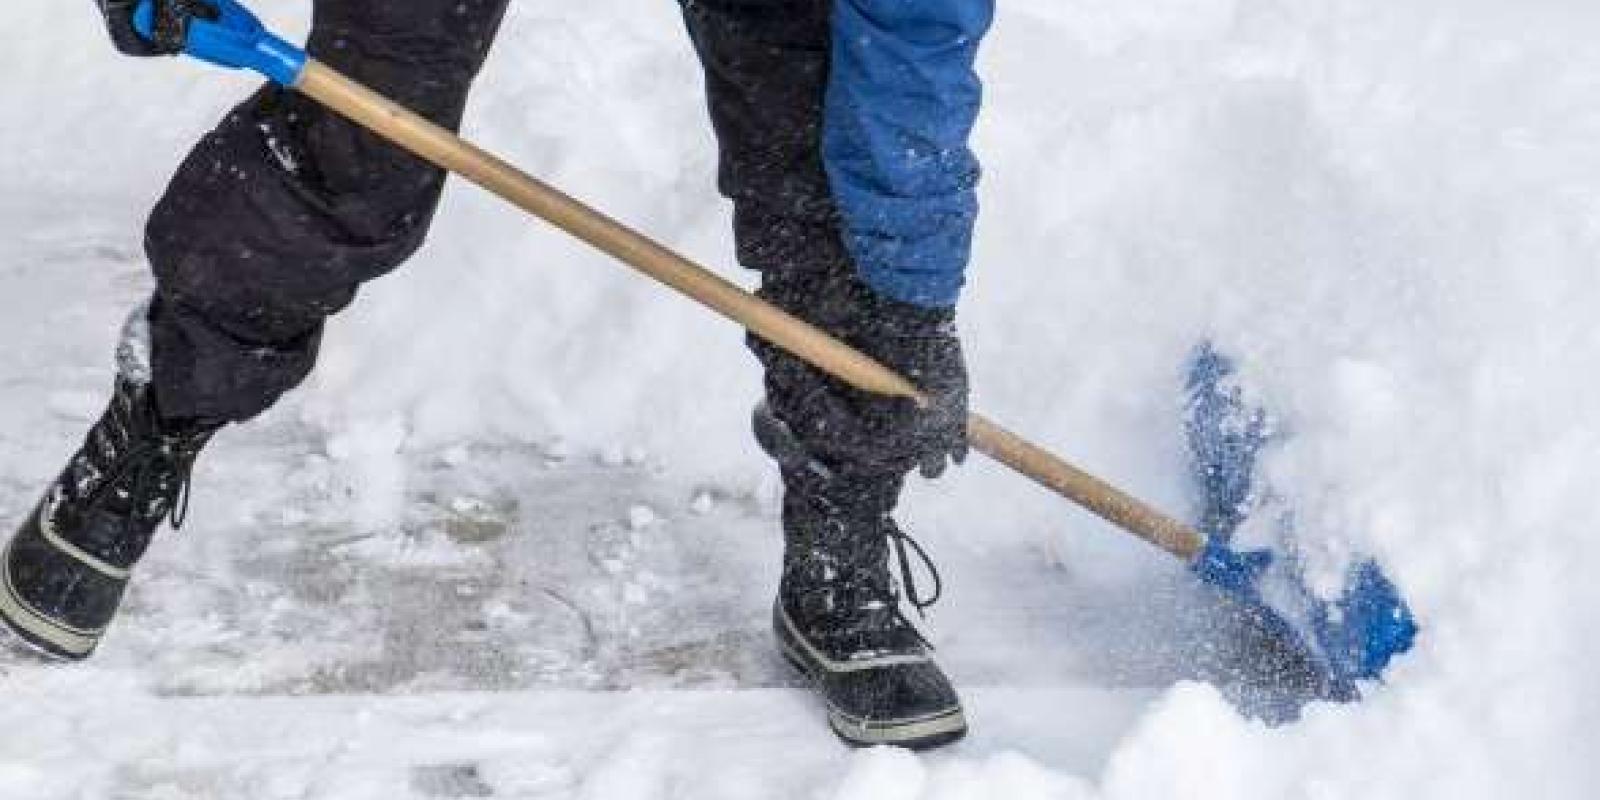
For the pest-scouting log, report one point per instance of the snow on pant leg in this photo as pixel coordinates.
(766, 66)
(279, 215)
(766, 69)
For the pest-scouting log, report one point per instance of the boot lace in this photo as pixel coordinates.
(153, 479)
(901, 541)
(863, 598)
(149, 481)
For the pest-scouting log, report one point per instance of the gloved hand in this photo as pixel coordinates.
(920, 344)
(171, 25)
(853, 426)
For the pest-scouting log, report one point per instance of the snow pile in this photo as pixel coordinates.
(1388, 213)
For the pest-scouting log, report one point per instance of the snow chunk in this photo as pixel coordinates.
(703, 503)
(884, 774)
(641, 517)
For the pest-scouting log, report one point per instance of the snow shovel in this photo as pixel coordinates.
(1349, 638)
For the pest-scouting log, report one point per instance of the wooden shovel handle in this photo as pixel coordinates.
(442, 148)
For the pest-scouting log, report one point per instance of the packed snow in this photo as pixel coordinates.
(513, 541)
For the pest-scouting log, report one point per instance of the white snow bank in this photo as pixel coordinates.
(1389, 213)
(703, 745)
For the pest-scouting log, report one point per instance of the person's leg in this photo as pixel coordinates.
(269, 227)
(282, 212)
(766, 69)
(843, 454)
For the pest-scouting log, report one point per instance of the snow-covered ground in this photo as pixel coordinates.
(512, 541)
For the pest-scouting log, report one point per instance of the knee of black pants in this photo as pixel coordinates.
(268, 228)
(278, 216)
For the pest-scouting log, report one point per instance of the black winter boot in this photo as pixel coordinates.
(838, 618)
(64, 572)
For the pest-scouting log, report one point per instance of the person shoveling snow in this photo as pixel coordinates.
(843, 130)
(281, 213)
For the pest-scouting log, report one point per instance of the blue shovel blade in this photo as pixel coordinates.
(1336, 643)
(1364, 629)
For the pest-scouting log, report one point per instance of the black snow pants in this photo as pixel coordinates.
(282, 212)
(285, 209)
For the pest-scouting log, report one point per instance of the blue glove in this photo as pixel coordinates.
(170, 29)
